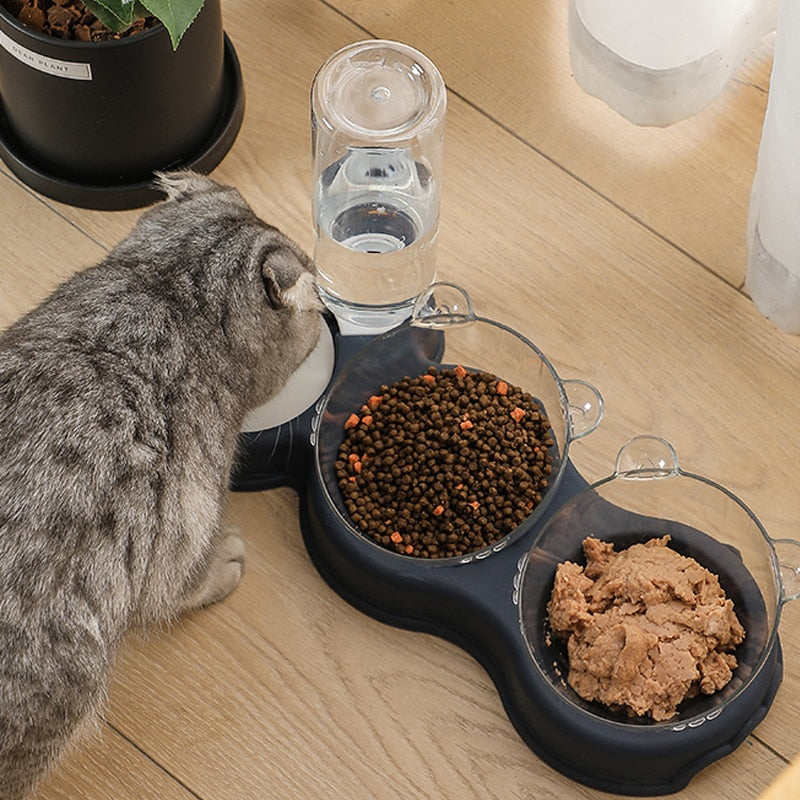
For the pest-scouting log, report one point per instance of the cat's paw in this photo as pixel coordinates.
(223, 575)
(230, 566)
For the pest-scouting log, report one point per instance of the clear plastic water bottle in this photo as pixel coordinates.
(377, 121)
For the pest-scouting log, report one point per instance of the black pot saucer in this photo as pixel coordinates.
(135, 195)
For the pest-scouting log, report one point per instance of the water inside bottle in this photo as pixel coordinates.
(376, 215)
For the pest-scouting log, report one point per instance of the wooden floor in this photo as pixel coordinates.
(619, 250)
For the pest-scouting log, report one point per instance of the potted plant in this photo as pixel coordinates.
(87, 122)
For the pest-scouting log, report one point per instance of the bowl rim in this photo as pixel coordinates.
(679, 723)
(443, 323)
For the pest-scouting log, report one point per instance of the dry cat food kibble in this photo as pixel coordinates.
(646, 627)
(445, 463)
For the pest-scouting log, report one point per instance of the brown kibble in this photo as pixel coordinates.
(416, 453)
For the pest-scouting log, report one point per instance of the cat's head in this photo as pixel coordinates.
(287, 272)
(256, 274)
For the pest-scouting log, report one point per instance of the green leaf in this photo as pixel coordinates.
(139, 12)
(177, 15)
(115, 14)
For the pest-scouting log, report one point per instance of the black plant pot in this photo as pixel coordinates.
(87, 123)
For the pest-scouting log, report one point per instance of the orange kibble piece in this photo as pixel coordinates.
(352, 421)
(460, 371)
(396, 537)
(429, 378)
(438, 511)
(475, 505)
(352, 458)
(374, 402)
(357, 466)
(409, 549)
(366, 420)
(517, 414)
(466, 424)
(502, 387)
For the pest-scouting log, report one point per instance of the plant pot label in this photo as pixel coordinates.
(74, 70)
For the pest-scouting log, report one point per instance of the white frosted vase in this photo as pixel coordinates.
(773, 231)
(658, 61)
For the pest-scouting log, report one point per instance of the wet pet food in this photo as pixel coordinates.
(646, 627)
(444, 464)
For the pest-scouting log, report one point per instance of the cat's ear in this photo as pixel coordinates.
(287, 284)
(183, 183)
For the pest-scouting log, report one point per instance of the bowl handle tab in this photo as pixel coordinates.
(585, 407)
(647, 457)
(788, 552)
(442, 304)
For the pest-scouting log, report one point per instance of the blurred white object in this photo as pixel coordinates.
(773, 230)
(659, 61)
(301, 390)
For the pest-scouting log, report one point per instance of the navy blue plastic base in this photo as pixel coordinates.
(475, 606)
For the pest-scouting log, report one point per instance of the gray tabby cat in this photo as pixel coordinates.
(121, 397)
